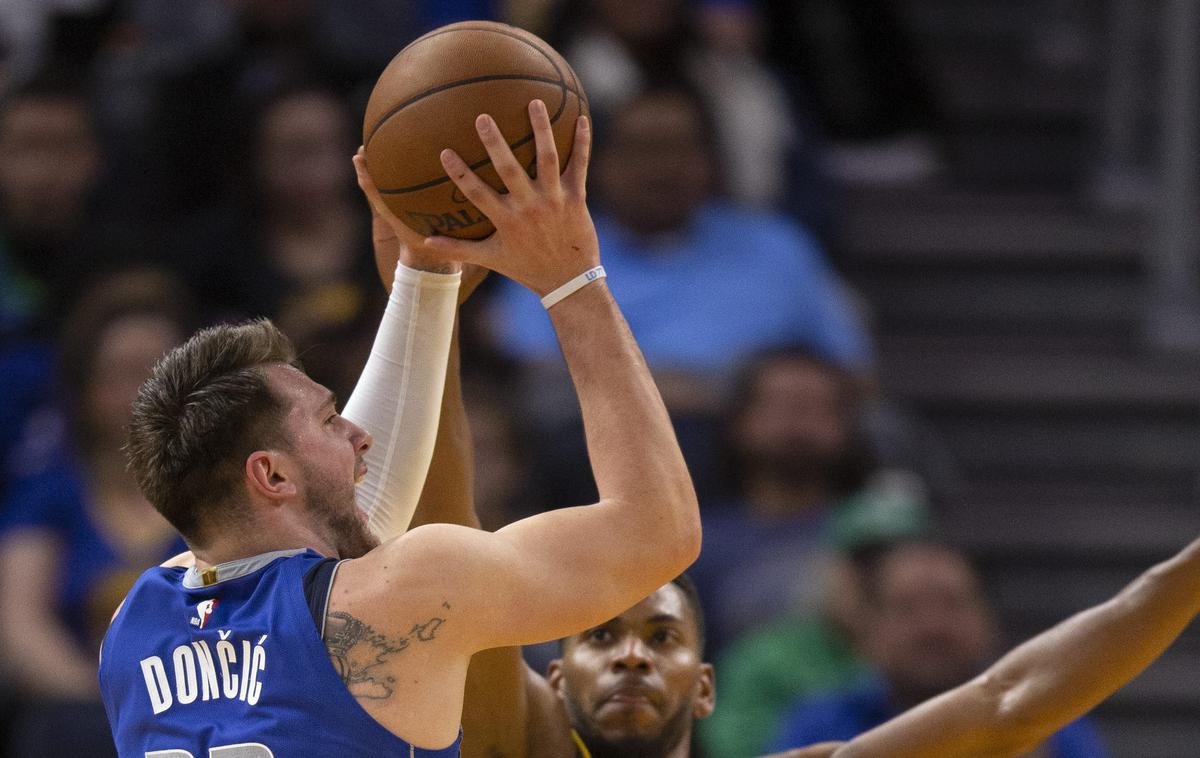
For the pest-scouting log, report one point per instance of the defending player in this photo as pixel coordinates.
(226, 658)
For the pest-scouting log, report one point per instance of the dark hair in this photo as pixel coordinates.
(52, 83)
(659, 89)
(148, 292)
(868, 561)
(692, 596)
(205, 408)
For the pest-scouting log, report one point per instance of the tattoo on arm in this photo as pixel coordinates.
(358, 652)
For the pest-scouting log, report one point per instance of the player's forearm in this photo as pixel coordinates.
(640, 472)
(1052, 679)
(448, 495)
(1061, 674)
(399, 394)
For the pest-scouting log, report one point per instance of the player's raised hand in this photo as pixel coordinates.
(544, 233)
(394, 241)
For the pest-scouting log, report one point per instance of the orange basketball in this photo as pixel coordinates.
(427, 99)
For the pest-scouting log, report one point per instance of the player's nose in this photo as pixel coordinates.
(631, 653)
(361, 438)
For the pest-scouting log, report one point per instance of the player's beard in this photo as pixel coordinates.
(651, 746)
(333, 506)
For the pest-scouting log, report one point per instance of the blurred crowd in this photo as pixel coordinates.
(166, 165)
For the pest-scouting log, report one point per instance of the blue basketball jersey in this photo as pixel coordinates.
(229, 663)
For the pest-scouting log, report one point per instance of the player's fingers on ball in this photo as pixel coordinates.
(474, 188)
(581, 155)
(463, 251)
(366, 184)
(503, 160)
(543, 138)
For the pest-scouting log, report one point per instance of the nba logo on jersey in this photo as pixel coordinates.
(204, 609)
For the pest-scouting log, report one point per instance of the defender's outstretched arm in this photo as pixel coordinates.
(1050, 680)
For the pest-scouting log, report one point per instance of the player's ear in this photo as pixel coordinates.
(265, 475)
(706, 692)
(554, 675)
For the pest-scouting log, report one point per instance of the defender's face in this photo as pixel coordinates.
(638, 675)
(326, 456)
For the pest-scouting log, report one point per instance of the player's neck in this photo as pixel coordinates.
(246, 541)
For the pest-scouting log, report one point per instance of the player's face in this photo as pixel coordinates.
(328, 451)
(635, 683)
(933, 630)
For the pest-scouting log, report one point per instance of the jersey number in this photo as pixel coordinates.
(244, 750)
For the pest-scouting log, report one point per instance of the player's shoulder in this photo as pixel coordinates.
(421, 560)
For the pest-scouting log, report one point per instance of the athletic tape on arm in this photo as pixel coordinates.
(398, 398)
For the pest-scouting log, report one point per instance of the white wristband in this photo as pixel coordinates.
(573, 286)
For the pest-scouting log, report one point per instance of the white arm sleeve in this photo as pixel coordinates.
(398, 398)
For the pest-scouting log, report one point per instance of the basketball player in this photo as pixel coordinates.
(265, 647)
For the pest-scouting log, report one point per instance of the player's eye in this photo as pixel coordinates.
(331, 418)
(663, 635)
(599, 634)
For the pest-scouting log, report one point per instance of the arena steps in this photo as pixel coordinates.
(1010, 315)
(1019, 84)
(1012, 324)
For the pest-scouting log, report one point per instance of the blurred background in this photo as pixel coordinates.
(917, 279)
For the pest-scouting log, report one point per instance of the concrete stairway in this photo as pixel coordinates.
(1011, 323)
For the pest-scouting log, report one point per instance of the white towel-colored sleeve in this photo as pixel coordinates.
(398, 398)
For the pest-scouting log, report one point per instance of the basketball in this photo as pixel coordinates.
(427, 99)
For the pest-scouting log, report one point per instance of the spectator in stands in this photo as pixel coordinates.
(621, 49)
(50, 175)
(76, 531)
(193, 70)
(58, 227)
(861, 76)
(293, 243)
(794, 443)
(930, 629)
(764, 672)
(703, 283)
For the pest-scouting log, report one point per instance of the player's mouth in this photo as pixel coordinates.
(631, 695)
(360, 473)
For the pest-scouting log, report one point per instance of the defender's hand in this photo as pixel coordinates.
(392, 239)
(544, 233)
